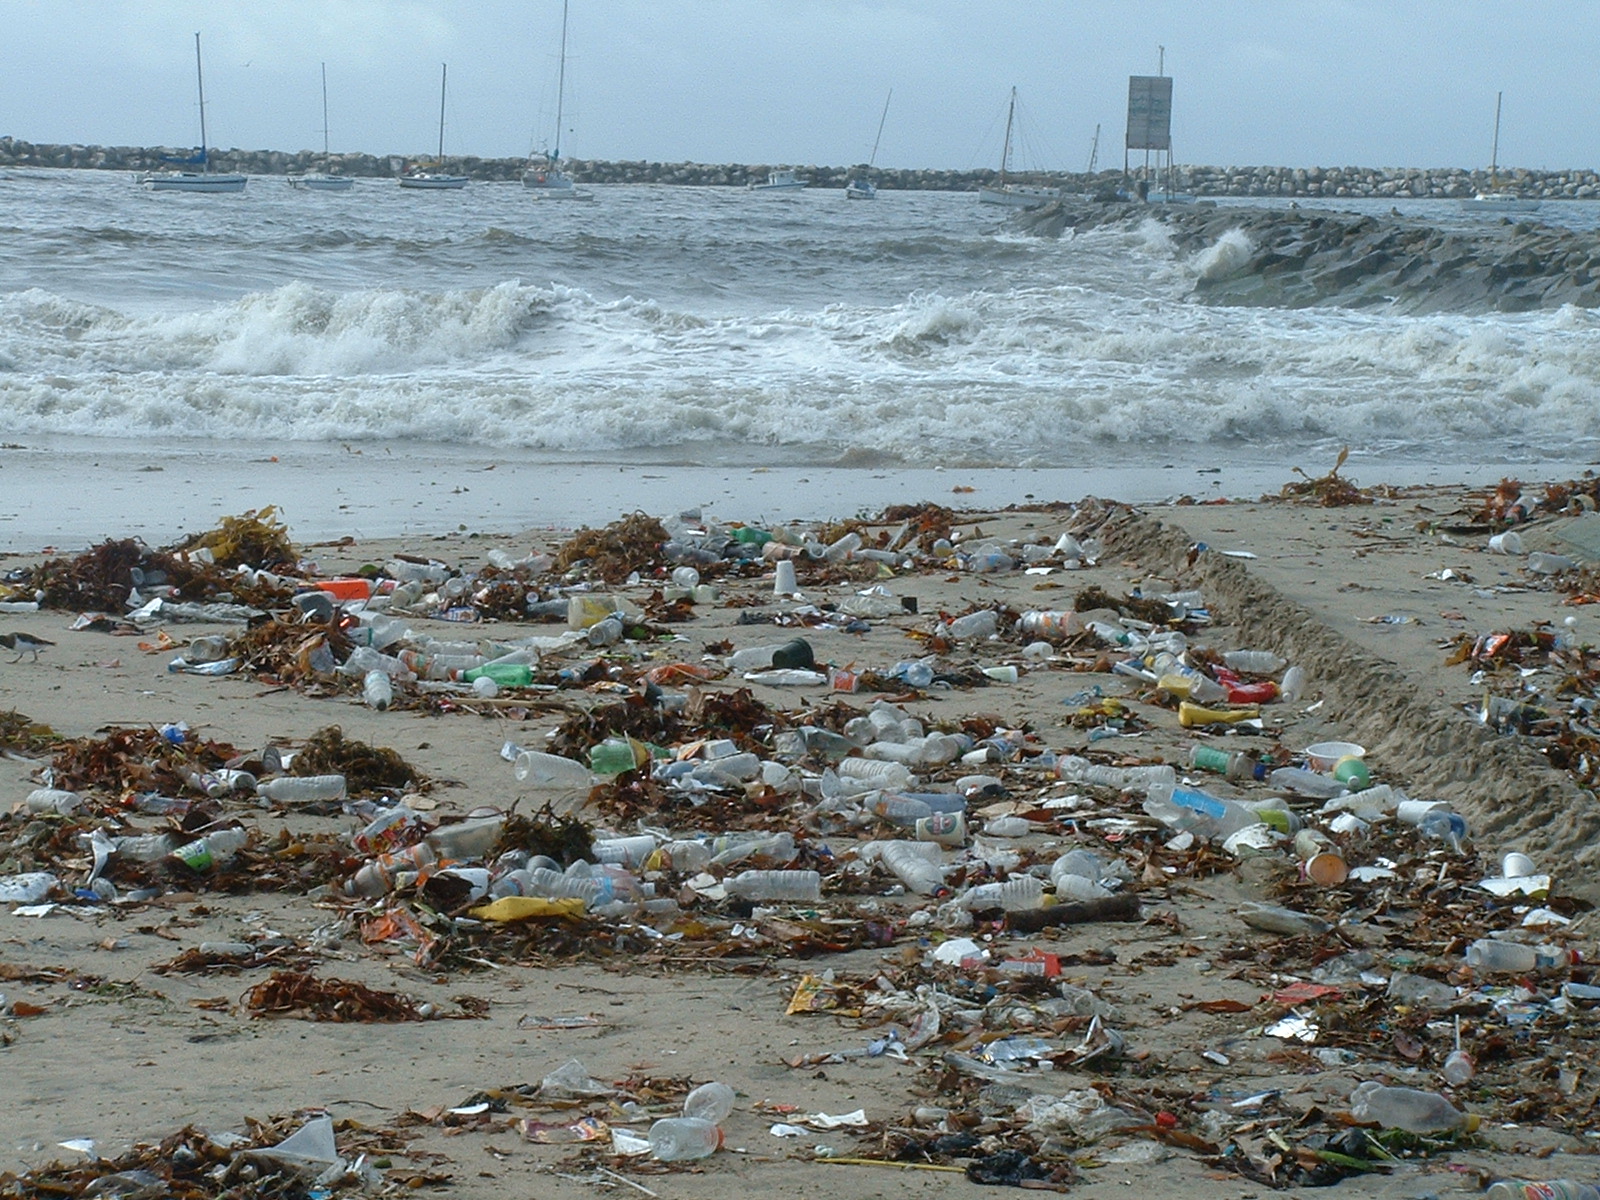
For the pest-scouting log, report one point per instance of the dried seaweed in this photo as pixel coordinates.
(630, 544)
(254, 539)
(927, 522)
(365, 768)
(1331, 490)
(299, 994)
(563, 838)
(1154, 611)
(290, 651)
(21, 734)
(139, 760)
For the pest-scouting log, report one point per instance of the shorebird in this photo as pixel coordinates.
(23, 643)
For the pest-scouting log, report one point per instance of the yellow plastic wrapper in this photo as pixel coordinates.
(529, 908)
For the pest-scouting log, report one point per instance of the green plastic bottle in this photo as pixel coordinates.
(505, 674)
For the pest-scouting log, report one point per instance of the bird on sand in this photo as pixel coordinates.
(24, 643)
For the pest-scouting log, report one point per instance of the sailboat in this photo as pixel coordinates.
(860, 187)
(193, 181)
(1495, 200)
(322, 181)
(1014, 195)
(544, 176)
(433, 175)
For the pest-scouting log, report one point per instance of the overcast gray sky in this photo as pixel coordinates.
(1280, 82)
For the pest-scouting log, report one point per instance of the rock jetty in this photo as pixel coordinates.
(1388, 182)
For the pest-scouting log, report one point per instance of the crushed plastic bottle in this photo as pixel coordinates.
(1408, 1108)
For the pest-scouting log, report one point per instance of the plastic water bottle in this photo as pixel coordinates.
(212, 850)
(981, 624)
(302, 789)
(1408, 1108)
(1050, 624)
(540, 770)
(877, 773)
(1302, 782)
(1442, 825)
(1254, 662)
(472, 838)
(1497, 954)
(802, 886)
(913, 866)
(679, 1139)
(709, 1102)
(1081, 770)
(377, 690)
(899, 810)
(53, 800)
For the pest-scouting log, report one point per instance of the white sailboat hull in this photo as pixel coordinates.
(860, 190)
(433, 182)
(192, 181)
(1499, 202)
(1012, 195)
(318, 182)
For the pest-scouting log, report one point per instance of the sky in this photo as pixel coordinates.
(1255, 82)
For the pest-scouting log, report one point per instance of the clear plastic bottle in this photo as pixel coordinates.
(540, 770)
(302, 789)
(899, 810)
(380, 876)
(377, 689)
(1050, 624)
(625, 851)
(680, 1139)
(144, 847)
(1017, 894)
(1080, 770)
(1293, 685)
(1302, 782)
(879, 773)
(1406, 1108)
(53, 800)
(709, 1102)
(213, 850)
(1497, 954)
(1542, 1189)
(472, 838)
(736, 847)
(981, 624)
(801, 886)
(1254, 662)
(914, 866)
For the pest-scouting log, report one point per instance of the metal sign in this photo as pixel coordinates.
(1149, 112)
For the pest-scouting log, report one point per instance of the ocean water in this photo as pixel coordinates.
(716, 328)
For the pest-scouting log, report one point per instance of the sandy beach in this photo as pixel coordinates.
(1370, 600)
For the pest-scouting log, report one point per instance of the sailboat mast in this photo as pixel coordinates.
(444, 74)
(561, 84)
(200, 86)
(1005, 153)
(324, 110)
(881, 120)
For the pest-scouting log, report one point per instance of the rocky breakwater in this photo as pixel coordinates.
(1304, 257)
(1398, 183)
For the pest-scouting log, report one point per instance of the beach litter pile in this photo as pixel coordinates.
(1011, 813)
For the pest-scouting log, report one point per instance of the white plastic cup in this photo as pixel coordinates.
(1509, 542)
(1516, 866)
(1411, 812)
(784, 582)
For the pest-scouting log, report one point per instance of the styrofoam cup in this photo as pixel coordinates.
(1516, 866)
(785, 584)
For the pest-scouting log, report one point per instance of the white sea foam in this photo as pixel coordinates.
(701, 327)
